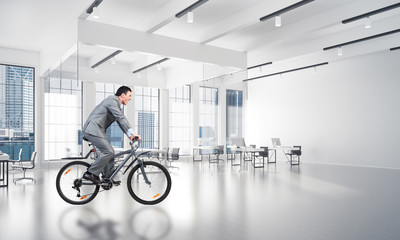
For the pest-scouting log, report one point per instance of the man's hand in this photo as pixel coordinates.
(135, 137)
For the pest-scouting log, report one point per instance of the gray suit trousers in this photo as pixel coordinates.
(105, 161)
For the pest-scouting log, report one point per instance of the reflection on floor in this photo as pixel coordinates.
(216, 201)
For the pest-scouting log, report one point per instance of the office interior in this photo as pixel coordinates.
(323, 75)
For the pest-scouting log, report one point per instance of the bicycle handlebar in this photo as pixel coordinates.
(135, 139)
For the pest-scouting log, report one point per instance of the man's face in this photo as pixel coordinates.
(126, 97)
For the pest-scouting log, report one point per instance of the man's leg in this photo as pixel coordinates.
(109, 168)
(106, 154)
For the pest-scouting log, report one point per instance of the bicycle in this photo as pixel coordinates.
(149, 182)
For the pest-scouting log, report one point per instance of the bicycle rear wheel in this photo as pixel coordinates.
(71, 187)
(158, 188)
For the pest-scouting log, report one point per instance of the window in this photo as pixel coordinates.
(180, 134)
(113, 132)
(208, 116)
(63, 118)
(147, 116)
(234, 103)
(17, 110)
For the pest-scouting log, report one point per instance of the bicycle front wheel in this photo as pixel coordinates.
(70, 185)
(158, 187)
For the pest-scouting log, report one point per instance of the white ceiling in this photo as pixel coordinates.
(231, 24)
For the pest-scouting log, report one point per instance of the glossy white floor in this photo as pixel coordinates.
(217, 201)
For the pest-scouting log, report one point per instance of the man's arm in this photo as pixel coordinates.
(131, 135)
(113, 107)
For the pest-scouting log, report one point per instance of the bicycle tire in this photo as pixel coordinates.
(159, 188)
(67, 176)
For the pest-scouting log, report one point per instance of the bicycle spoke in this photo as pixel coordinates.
(157, 190)
(70, 185)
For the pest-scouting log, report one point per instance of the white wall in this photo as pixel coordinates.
(346, 113)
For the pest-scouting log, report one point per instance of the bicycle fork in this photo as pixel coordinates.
(146, 180)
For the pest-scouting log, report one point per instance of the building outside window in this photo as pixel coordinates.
(147, 116)
(113, 132)
(17, 110)
(234, 115)
(63, 118)
(180, 134)
(208, 116)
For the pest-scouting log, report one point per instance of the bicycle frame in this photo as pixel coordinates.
(130, 153)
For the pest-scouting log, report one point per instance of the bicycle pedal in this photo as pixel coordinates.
(116, 183)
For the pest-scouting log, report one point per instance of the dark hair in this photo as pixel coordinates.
(122, 89)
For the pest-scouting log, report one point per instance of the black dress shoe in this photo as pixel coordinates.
(91, 177)
(115, 182)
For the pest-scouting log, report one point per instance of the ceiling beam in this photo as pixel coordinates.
(162, 16)
(136, 41)
(243, 19)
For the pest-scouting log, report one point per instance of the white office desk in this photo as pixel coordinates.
(4, 156)
(198, 148)
(243, 149)
(284, 149)
(4, 169)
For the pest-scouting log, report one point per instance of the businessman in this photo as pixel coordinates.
(94, 131)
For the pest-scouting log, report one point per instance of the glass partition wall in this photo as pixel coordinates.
(234, 115)
(180, 119)
(63, 111)
(208, 115)
(78, 84)
(172, 107)
(221, 99)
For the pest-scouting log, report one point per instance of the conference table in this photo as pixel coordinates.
(284, 149)
(158, 152)
(198, 149)
(4, 169)
(242, 150)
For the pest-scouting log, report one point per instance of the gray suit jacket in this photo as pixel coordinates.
(103, 116)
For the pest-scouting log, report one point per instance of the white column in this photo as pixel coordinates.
(39, 119)
(195, 112)
(164, 118)
(221, 115)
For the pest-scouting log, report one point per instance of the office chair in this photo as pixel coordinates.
(295, 154)
(264, 154)
(161, 156)
(16, 162)
(24, 166)
(218, 152)
(247, 155)
(174, 156)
